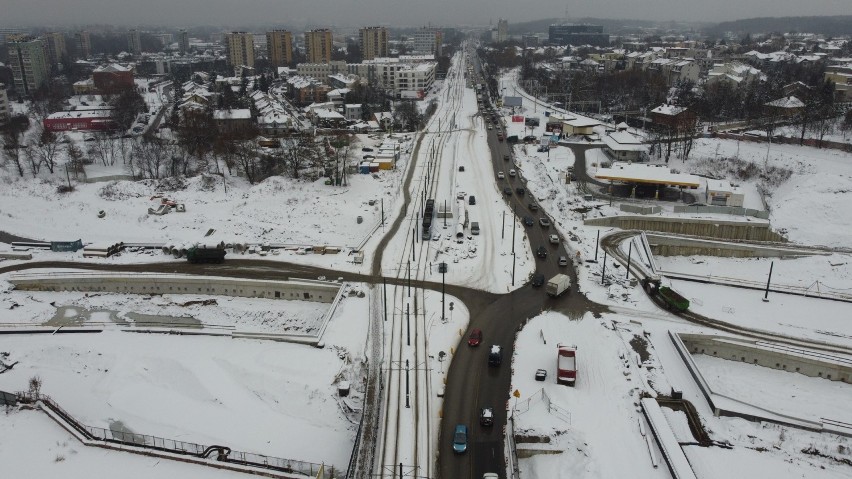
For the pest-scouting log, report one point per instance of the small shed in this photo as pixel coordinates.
(579, 126)
(723, 193)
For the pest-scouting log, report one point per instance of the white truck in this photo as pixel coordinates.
(558, 284)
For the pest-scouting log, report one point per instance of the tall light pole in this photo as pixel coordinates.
(442, 268)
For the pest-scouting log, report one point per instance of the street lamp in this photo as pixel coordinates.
(442, 268)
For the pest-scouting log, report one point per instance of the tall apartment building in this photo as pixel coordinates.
(318, 45)
(279, 47)
(134, 42)
(84, 44)
(28, 59)
(502, 30)
(4, 105)
(373, 42)
(240, 48)
(583, 34)
(428, 41)
(183, 42)
(55, 47)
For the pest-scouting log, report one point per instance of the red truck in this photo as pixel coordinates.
(566, 365)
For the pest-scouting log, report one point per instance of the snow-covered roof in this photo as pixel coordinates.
(668, 110)
(787, 102)
(74, 114)
(623, 141)
(236, 114)
(644, 173)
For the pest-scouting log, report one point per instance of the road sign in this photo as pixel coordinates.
(451, 305)
(517, 393)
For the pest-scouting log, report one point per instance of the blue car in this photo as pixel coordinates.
(460, 439)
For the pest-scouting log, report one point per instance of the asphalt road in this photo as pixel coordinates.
(471, 383)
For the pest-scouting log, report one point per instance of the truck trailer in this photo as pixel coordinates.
(558, 285)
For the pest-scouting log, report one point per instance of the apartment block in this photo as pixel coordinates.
(240, 48)
(134, 42)
(28, 60)
(428, 41)
(84, 44)
(279, 47)
(183, 42)
(56, 50)
(318, 45)
(373, 42)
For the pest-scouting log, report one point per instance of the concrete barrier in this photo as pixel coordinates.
(152, 283)
(665, 245)
(751, 230)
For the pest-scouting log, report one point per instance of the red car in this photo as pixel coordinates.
(475, 337)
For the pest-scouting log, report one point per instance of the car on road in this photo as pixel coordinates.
(544, 221)
(501, 175)
(537, 280)
(475, 337)
(436, 236)
(563, 261)
(520, 190)
(512, 172)
(554, 239)
(486, 417)
(540, 374)
(490, 127)
(490, 475)
(543, 148)
(532, 206)
(461, 168)
(541, 252)
(471, 200)
(528, 221)
(507, 191)
(506, 158)
(460, 439)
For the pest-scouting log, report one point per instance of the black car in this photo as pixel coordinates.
(505, 157)
(528, 221)
(471, 200)
(540, 374)
(541, 252)
(533, 206)
(537, 279)
(507, 191)
(520, 191)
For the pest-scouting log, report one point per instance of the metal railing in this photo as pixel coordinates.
(291, 466)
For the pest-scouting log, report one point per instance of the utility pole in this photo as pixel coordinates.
(442, 268)
(603, 272)
(597, 243)
(629, 251)
(409, 279)
(766, 295)
(385, 297)
(407, 325)
(383, 213)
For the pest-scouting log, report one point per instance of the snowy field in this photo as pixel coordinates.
(604, 416)
(789, 393)
(246, 394)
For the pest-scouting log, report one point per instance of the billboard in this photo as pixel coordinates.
(517, 118)
(512, 101)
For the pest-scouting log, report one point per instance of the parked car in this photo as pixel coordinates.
(471, 200)
(540, 374)
(460, 439)
(537, 280)
(486, 417)
(501, 175)
(554, 239)
(563, 261)
(461, 168)
(366, 149)
(541, 252)
(520, 190)
(528, 221)
(533, 206)
(512, 172)
(507, 191)
(475, 337)
(544, 221)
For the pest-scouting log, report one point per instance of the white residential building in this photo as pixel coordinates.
(734, 73)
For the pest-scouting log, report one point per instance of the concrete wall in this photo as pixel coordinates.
(724, 210)
(682, 246)
(800, 361)
(706, 227)
(640, 209)
(148, 283)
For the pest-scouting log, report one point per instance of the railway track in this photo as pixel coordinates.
(610, 243)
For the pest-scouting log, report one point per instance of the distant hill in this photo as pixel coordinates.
(835, 25)
(611, 26)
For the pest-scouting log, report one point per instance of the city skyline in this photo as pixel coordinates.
(400, 12)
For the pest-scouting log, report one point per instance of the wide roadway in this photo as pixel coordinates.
(471, 383)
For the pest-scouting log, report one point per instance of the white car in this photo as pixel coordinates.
(554, 239)
(460, 195)
(512, 173)
(500, 175)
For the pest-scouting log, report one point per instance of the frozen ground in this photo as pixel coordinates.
(789, 393)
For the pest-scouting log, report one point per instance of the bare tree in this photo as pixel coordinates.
(34, 390)
(823, 123)
(300, 152)
(247, 155)
(150, 155)
(47, 149)
(103, 148)
(12, 148)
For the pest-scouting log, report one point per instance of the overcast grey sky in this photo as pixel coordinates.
(390, 12)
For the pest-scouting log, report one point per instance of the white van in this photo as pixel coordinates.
(474, 227)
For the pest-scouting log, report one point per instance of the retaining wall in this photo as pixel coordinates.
(681, 246)
(150, 283)
(704, 227)
(801, 361)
